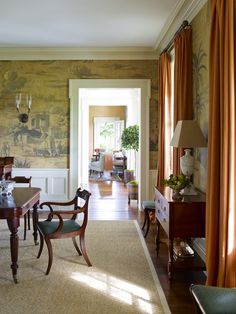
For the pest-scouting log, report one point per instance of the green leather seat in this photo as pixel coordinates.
(213, 300)
(148, 207)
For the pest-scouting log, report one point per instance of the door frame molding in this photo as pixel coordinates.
(76, 132)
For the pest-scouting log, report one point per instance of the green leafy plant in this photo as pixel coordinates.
(133, 182)
(130, 138)
(177, 182)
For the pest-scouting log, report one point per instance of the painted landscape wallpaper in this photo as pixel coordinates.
(43, 142)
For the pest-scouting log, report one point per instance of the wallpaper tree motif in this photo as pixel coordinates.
(200, 63)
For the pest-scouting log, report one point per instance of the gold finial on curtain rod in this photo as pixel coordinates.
(184, 24)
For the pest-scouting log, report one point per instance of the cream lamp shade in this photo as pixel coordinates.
(188, 134)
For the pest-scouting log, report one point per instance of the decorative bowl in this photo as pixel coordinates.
(6, 187)
(177, 182)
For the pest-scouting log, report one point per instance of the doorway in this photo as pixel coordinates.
(79, 135)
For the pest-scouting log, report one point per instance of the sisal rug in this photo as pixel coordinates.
(121, 280)
(107, 176)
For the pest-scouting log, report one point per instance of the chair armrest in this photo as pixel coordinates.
(49, 204)
(69, 212)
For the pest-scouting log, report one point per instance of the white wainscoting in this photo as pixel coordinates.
(54, 183)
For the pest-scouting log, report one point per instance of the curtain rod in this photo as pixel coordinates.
(182, 26)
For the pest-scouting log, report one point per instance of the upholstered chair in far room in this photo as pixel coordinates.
(62, 227)
(97, 166)
(24, 182)
(213, 300)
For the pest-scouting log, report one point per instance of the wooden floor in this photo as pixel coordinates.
(109, 201)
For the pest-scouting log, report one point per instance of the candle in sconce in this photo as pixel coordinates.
(30, 101)
(18, 100)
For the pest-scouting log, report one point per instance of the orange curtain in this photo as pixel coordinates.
(165, 119)
(183, 95)
(221, 188)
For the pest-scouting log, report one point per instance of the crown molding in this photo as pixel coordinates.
(77, 53)
(185, 10)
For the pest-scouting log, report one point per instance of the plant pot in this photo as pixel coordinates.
(132, 191)
(128, 176)
(176, 195)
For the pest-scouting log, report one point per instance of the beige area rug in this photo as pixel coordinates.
(122, 279)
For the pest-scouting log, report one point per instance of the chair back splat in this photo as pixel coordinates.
(62, 227)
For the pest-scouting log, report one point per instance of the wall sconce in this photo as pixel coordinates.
(23, 117)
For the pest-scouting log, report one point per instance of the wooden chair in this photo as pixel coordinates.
(148, 208)
(213, 300)
(26, 181)
(65, 228)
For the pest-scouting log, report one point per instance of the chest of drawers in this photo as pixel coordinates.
(179, 219)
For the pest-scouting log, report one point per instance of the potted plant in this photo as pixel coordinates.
(132, 190)
(130, 141)
(177, 183)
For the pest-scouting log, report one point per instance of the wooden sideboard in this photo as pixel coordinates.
(6, 166)
(183, 219)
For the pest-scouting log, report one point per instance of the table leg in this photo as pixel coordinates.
(13, 225)
(171, 259)
(158, 237)
(35, 223)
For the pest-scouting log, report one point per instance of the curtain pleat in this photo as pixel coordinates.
(183, 92)
(221, 184)
(165, 119)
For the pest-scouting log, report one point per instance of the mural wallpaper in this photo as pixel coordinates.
(43, 142)
(201, 29)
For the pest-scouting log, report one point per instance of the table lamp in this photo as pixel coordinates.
(188, 134)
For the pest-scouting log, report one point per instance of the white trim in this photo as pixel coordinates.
(153, 271)
(78, 54)
(76, 165)
(186, 10)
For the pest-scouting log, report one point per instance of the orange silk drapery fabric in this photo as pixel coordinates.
(221, 185)
(183, 89)
(164, 102)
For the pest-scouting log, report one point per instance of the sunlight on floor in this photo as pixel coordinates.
(117, 288)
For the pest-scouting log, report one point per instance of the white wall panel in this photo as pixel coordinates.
(53, 182)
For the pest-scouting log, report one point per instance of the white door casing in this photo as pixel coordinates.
(78, 138)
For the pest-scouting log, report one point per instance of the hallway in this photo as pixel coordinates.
(109, 201)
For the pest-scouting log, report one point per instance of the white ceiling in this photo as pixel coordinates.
(83, 23)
